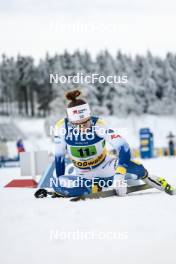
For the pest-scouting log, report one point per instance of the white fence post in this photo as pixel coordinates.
(33, 163)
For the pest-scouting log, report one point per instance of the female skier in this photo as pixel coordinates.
(83, 137)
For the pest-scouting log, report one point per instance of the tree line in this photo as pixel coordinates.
(25, 88)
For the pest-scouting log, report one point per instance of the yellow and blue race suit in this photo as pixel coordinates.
(88, 153)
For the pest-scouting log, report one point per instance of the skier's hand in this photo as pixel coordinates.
(120, 170)
(40, 193)
(119, 182)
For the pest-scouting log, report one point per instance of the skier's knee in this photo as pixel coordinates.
(139, 170)
(143, 173)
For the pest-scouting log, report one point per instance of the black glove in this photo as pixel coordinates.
(41, 193)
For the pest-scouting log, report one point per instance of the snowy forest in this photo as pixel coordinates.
(25, 88)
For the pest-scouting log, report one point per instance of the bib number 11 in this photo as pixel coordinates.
(83, 152)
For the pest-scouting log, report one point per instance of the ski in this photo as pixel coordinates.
(109, 193)
(43, 193)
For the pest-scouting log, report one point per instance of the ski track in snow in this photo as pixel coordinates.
(144, 223)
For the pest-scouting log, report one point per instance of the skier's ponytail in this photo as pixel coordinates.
(72, 96)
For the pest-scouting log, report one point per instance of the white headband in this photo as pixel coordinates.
(78, 113)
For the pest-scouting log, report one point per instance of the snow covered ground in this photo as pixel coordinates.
(140, 228)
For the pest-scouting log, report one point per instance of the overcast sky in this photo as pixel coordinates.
(32, 27)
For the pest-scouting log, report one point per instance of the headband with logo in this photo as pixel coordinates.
(77, 113)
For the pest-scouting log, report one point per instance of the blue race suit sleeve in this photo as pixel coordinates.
(115, 140)
(60, 148)
(60, 165)
(124, 153)
(120, 145)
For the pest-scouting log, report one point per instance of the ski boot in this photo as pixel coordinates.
(166, 186)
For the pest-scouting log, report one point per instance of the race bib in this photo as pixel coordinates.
(83, 152)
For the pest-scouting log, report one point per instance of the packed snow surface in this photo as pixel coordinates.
(138, 228)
